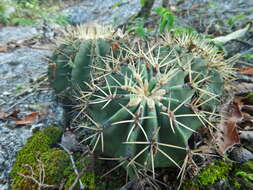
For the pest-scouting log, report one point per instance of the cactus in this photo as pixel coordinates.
(81, 48)
(152, 99)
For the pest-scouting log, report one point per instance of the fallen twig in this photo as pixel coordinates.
(74, 166)
(20, 101)
(29, 90)
(77, 179)
(42, 175)
(232, 36)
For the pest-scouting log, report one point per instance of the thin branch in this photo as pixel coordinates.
(73, 165)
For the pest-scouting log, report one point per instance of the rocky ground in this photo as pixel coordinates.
(21, 93)
(24, 52)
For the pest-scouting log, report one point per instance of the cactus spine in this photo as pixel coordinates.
(151, 100)
(142, 104)
(72, 62)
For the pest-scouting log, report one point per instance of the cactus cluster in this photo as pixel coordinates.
(146, 102)
(72, 61)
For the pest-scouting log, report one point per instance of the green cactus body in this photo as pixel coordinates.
(72, 62)
(59, 70)
(141, 104)
(149, 103)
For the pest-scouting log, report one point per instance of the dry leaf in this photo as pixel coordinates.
(29, 119)
(228, 135)
(9, 116)
(232, 36)
(13, 115)
(238, 100)
(246, 70)
(198, 6)
(17, 44)
(2, 115)
(3, 49)
(114, 46)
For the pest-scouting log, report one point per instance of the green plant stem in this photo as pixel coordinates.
(146, 8)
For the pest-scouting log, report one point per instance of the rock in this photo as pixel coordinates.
(103, 11)
(48, 31)
(70, 142)
(30, 64)
(10, 142)
(16, 33)
(240, 154)
(247, 135)
(4, 187)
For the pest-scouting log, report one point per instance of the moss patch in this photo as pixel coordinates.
(38, 148)
(41, 154)
(88, 179)
(92, 170)
(250, 97)
(212, 174)
(235, 176)
(209, 176)
(245, 172)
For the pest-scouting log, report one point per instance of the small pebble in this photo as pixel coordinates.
(5, 93)
(247, 135)
(240, 154)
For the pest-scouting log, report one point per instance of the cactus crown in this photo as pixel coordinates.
(201, 46)
(81, 47)
(147, 101)
(84, 32)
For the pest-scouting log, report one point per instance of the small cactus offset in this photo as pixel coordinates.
(152, 99)
(81, 48)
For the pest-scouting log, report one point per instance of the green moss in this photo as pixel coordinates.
(53, 134)
(57, 161)
(247, 166)
(250, 97)
(237, 185)
(212, 174)
(37, 148)
(245, 171)
(40, 152)
(88, 180)
(235, 176)
(54, 162)
(209, 176)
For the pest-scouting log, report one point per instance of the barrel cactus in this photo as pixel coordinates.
(150, 100)
(79, 50)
